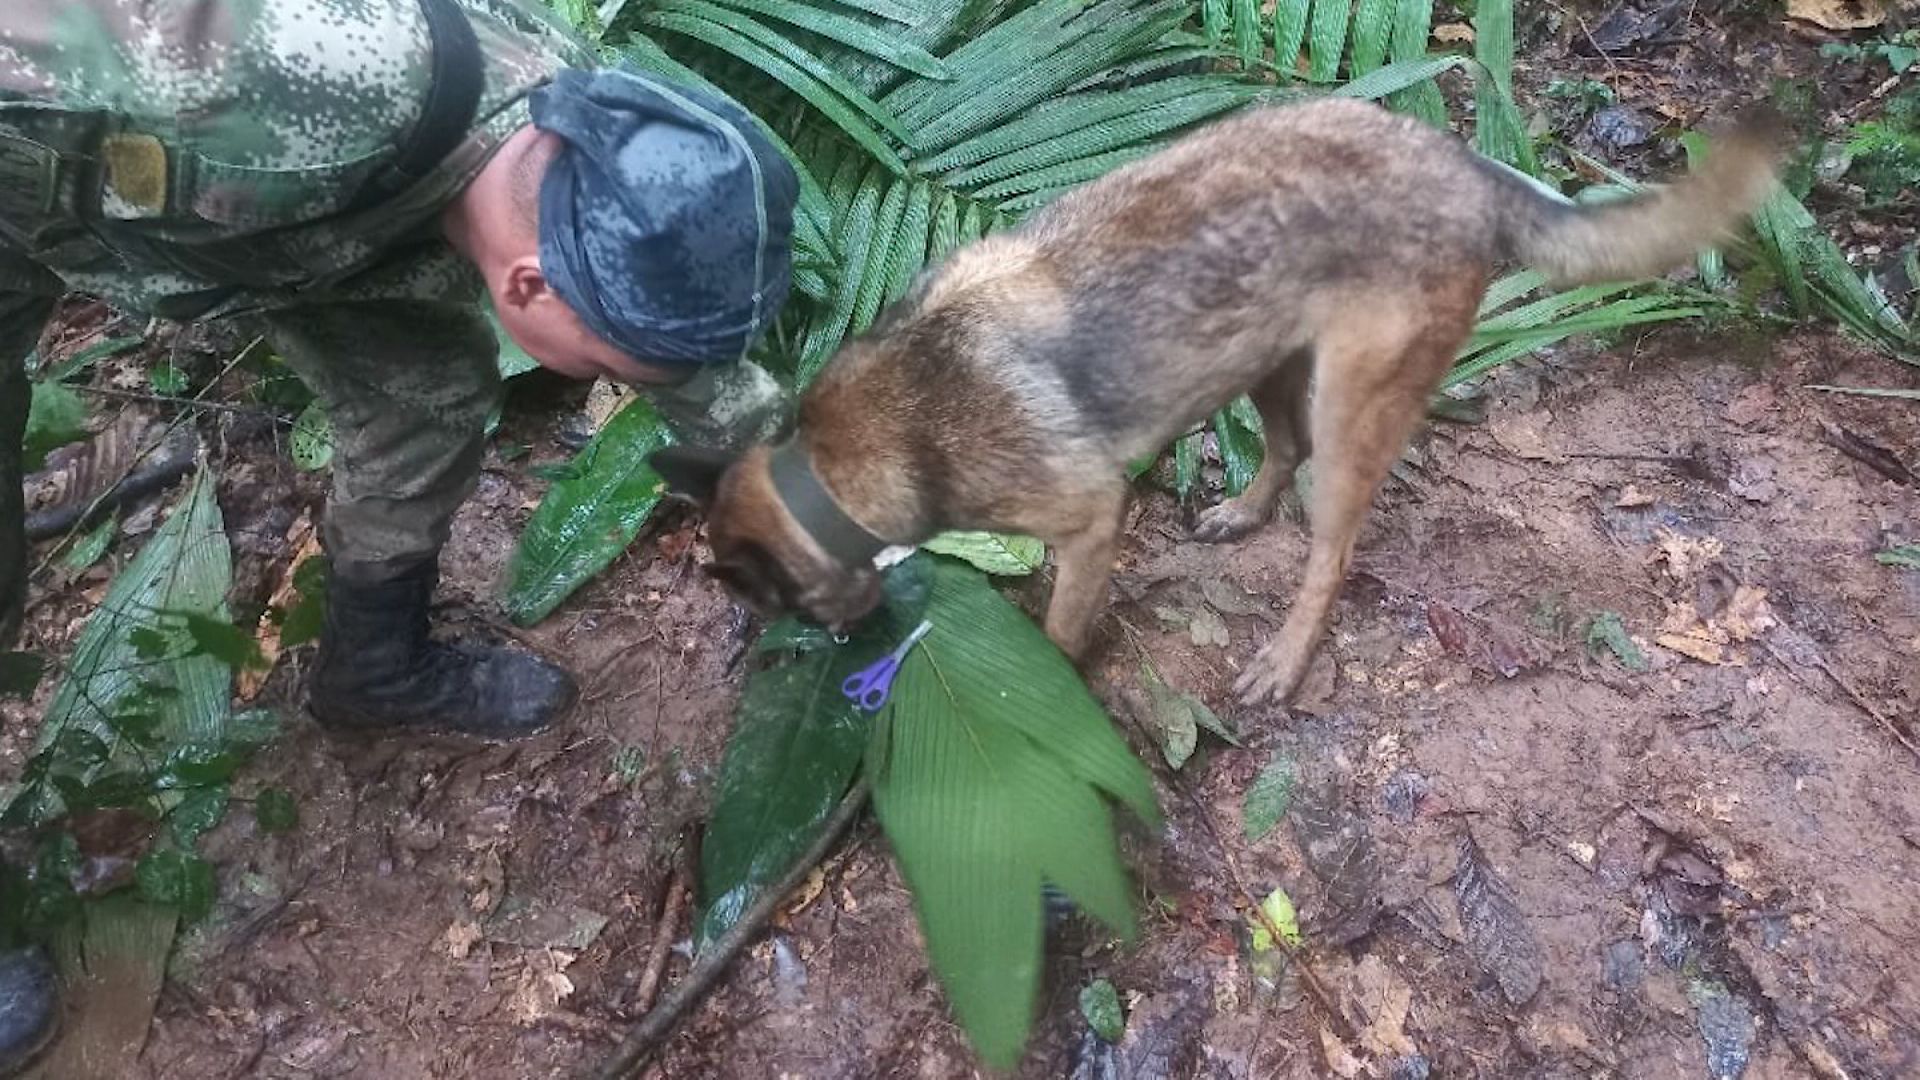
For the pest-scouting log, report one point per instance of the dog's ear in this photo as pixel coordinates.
(689, 472)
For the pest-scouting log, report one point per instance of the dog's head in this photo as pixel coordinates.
(761, 555)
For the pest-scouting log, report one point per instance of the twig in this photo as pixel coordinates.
(190, 403)
(672, 905)
(644, 1038)
(1846, 688)
(1294, 956)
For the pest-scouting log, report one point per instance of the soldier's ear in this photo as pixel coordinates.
(690, 473)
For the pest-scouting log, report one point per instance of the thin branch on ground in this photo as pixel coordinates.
(645, 1037)
(673, 904)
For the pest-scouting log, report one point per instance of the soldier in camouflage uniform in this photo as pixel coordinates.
(352, 177)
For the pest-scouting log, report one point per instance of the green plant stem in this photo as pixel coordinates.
(644, 1038)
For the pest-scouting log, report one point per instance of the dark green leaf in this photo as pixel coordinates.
(1100, 1004)
(275, 811)
(167, 380)
(1372, 27)
(988, 769)
(1186, 466)
(584, 523)
(1412, 27)
(1267, 797)
(252, 728)
(312, 440)
(1240, 447)
(796, 743)
(55, 417)
(20, 673)
(197, 765)
(1145, 121)
(224, 641)
(149, 643)
(90, 548)
(177, 879)
(197, 814)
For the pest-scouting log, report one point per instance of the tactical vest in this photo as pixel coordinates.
(312, 163)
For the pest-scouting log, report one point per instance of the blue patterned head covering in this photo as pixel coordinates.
(666, 219)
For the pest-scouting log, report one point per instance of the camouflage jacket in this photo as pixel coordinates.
(191, 158)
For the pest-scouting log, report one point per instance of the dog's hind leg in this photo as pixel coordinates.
(1282, 400)
(1083, 558)
(1375, 378)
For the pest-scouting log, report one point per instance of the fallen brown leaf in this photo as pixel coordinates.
(1839, 14)
(305, 542)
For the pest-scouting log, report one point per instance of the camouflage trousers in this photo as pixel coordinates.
(407, 384)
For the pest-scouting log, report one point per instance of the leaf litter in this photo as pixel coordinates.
(1496, 929)
(1339, 849)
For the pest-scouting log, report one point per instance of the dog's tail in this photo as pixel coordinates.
(1657, 229)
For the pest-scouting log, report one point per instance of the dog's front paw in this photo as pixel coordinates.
(1272, 677)
(1227, 521)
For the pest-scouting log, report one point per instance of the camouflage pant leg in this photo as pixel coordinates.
(27, 296)
(408, 386)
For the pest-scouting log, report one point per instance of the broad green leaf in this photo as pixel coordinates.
(1278, 907)
(179, 700)
(178, 879)
(311, 443)
(512, 360)
(275, 811)
(1056, 178)
(1100, 1004)
(306, 618)
(586, 521)
(1267, 798)
(1186, 466)
(92, 547)
(223, 641)
(55, 417)
(197, 814)
(1397, 78)
(995, 553)
(796, 744)
(988, 769)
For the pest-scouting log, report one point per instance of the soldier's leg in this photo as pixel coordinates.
(29, 995)
(408, 387)
(27, 296)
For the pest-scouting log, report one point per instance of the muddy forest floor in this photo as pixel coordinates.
(1717, 852)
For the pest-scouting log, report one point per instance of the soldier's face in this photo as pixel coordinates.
(541, 323)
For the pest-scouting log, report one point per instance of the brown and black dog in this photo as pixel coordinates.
(1333, 241)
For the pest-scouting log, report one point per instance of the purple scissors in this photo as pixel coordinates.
(868, 687)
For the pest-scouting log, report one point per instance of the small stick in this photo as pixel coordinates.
(644, 1038)
(672, 905)
(1853, 695)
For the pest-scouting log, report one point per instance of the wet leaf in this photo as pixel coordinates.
(587, 520)
(20, 673)
(796, 744)
(1903, 556)
(223, 641)
(179, 880)
(311, 443)
(1100, 1004)
(1186, 466)
(1267, 797)
(1230, 599)
(198, 813)
(274, 811)
(55, 417)
(1726, 1025)
(992, 769)
(1497, 933)
(1450, 628)
(93, 546)
(1340, 851)
(1278, 907)
(1605, 630)
(80, 361)
(167, 380)
(1236, 431)
(1001, 554)
(1173, 716)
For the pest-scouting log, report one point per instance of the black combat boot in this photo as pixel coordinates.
(379, 673)
(29, 1006)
